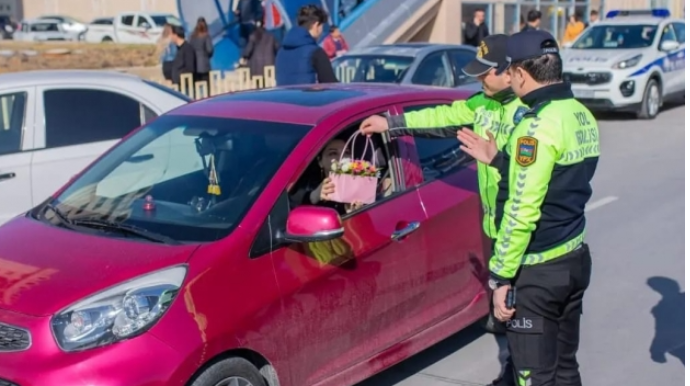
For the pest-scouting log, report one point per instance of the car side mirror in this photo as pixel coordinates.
(313, 223)
(669, 45)
(567, 45)
(145, 25)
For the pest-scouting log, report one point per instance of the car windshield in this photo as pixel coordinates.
(161, 20)
(371, 68)
(183, 178)
(608, 37)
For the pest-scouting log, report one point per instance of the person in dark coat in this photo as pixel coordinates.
(261, 51)
(203, 48)
(185, 59)
(476, 30)
(300, 60)
(533, 20)
(247, 12)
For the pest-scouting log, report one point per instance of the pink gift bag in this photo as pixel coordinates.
(354, 180)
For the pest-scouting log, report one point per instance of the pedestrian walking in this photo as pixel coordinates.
(260, 52)
(166, 50)
(203, 50)
(541, 265)
(185, 59)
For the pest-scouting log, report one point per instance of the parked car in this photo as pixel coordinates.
(408, 63)
(42, 30)
(185, 254)
(54, 123)
(69, 24)
(130, 28)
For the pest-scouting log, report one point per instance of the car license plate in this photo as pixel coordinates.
(585, 94)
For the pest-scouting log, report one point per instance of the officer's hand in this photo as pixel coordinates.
(481, 149)
(501, 312)
(373, 124)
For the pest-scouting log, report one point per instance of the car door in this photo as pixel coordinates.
(434, 70)
(347, 300)
(672, 79)
(677, 58)
(144, 28)
(459, 59)
(80, 124)
(126, 30)
(455, 241)
(16, 143)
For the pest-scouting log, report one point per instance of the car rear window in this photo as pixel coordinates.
(371, 68)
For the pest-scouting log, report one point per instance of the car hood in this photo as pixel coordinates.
(44, 269)
(586, 59)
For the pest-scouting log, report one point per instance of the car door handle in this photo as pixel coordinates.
(7, 176)
(401, 233)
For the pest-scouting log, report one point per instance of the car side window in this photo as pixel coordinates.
(127, 20)
(433, 71)
(438, 157)
(12, 115)
(680, 32)
(141, 21)
(103, 116)
(668, 34)
(458, 60)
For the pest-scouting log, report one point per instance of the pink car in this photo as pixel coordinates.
(189, 254)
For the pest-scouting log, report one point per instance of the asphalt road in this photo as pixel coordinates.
(636, 233)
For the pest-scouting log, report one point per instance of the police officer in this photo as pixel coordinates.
(540, 256)
(493, 114)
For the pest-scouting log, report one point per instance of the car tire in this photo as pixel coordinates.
(107, 39)
(651, 101)
(224, 372)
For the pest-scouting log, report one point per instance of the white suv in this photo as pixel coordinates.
(632, 61)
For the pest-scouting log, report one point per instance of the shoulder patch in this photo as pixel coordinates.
(519, 113)
(526, 152)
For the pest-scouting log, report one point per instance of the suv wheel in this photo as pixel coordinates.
(651, 101)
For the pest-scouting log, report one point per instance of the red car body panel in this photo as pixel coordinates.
(314, 322)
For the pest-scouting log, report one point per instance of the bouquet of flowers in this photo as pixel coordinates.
(355, 180)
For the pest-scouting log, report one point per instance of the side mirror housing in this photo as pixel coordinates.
(669, 45)
(567, 45)
(313, 223)
(145, 25)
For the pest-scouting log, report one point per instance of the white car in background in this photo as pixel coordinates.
(633, 61)
(130, 28)
(55, 123)
(68, 24)
(45, 30)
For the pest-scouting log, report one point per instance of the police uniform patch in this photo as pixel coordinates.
(526, 152)
(519, 113)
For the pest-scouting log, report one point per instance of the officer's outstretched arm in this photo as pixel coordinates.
(530, 155)
(442, 121)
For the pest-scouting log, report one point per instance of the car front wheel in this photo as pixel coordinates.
(651, 101)
(230, 372)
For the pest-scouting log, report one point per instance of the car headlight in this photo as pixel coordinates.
(628, 63)
(118, 313)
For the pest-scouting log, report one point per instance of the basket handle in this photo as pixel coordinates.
(351, 142)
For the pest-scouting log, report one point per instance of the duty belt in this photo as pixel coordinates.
(542, 257)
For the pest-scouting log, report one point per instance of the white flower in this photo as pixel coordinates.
(345, 167)
(334, 166)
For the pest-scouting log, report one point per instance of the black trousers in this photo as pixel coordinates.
(544, 334)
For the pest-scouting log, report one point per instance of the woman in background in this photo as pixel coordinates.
(573, 29)
(260, 51)
(203, 47)
(166, 51)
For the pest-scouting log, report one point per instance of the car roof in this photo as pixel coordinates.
(40, 77)
(310, 104)
(405, 49)
(637, 20)
(46, 20)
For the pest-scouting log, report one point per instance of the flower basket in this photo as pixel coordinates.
(355, 180)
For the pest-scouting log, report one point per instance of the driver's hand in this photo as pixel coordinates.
(327, 188)
(373, 124)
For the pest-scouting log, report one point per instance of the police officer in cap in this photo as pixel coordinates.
(540, 259)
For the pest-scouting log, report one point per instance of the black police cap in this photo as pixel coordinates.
(531, 44)
(491, 53)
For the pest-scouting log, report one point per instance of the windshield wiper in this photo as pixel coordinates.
(125, 229)
(62, 218)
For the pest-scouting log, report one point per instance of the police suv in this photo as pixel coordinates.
(632, 61)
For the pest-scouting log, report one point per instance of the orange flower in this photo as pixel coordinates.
(358, 167)
(372, 169)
